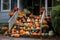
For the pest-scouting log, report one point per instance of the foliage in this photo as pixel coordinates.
(55, 16)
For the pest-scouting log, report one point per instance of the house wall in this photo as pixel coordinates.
(4, 17)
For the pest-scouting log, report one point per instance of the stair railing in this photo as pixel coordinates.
(42, 18)
(12, 20)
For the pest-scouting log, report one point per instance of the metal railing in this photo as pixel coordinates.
(43, 17)
(12, 20)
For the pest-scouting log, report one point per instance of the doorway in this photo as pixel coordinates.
(32, 5)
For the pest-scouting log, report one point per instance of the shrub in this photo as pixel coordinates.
(55, 17)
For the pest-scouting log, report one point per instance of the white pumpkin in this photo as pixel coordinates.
(51, 33)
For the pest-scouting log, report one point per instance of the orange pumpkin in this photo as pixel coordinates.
(38, 17)
(47, 17)
(22, 32)
(16, 35)
(39, 34)
(46, 26)
(31, 15)
(21, 14)
(34, 34)
(11, 13)
(5, 28)
(37, 25)
(38, 28)
(30, 25)
(23, 20)
(13, 31)
(32, 20)
(44, 22)
(6, 33)
(17, 22)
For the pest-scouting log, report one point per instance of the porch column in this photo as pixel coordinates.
(46, 7)
(18, 3)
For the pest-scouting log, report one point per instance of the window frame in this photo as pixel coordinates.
(7, 9)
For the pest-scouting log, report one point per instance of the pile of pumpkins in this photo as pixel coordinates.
(4, 29)
(26, 26)
(29, 25)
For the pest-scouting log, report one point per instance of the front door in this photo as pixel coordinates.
(15, 3)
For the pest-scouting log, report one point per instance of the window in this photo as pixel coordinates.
(5, 5)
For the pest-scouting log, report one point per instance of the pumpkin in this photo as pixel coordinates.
(51, 33)
(23, 20)
(39, 20)
(27, 33)
(16, 35)
(15, 9)
(11, 14)
(34, 17)
(21, 14)
(32, 20)
(22, 32)
(39, 34)
(32, 28)
(46, 26)
(13, 31)
(25, 24)
(24, 28)
(36, 20)
(42, 9)
(17, 22)
(37, 25)
(30, 25)
(28, 19)
(44, 22)
(47, 17)
(5, 28)
(6, 32)
(14, 27)
(38, 28)
(40, 16)
(31, 15)
(34, 34)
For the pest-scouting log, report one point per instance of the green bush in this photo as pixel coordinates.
(55, 17)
